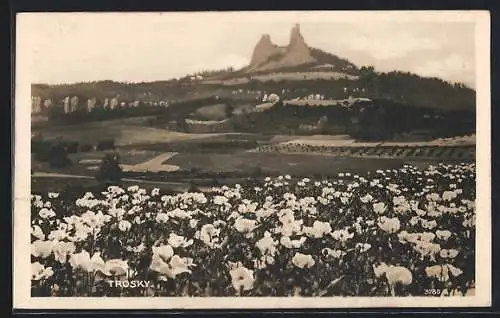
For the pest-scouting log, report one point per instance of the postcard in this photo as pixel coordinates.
(252, 160)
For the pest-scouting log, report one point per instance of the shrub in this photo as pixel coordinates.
(193, 188)
(86, 148)
(72, 147)
(195, 171)
(106, 144)
(59, 160)
(56, 155)
(41, 152)
(110, 171)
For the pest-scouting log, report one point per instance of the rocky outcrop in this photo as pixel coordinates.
(268, 56)
(297, 52)
(264, 50)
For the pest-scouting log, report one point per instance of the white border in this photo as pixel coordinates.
(22, 187)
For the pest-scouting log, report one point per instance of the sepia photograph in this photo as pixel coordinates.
(252, 160)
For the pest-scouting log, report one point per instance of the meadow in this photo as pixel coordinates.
(125, 132)
(390, 232)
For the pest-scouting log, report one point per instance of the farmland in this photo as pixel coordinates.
(296, 76)
(167, 157)
(275, 163)
(123, 131)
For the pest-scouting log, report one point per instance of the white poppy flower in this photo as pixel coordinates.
(342, 235)
(379, 207)
(442, 272)
(81, 260)
(289, 243)
(164, 251)
(42, 248)
(389, 225)
(38, 271)
(116, 267)
(46, 213)
(179, 241)
(443, 234)
(303, 260)
(448, 253)
(267, 245)
(318, 230)
(61, 251)
(328, 252)
(124, 225)
(37, 232)
(245, 225)
(363, 247)
(242, 278)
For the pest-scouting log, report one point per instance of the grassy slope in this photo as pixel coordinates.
(124, 133)
(278, 163)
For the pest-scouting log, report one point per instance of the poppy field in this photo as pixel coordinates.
(394, 232)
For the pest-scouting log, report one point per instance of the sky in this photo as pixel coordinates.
(136, 47)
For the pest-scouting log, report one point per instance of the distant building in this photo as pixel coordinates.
(74, 103)
(47, 103)
(307, 128)
(91, 103)
(67, 106)
(113, 103)
(36, 104)
(200, 127)
(273, 98)
(322, 122)
(135, 103)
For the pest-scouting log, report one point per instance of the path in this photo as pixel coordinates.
(153, 165)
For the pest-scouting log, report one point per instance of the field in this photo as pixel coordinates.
(202, 158)
(297, 76)
(347, 141)
(125, 132)
(58, 183)
(395, 232)
(297, 164)
(127, 156)
(211, 112)
(174, 161)
(86, 163)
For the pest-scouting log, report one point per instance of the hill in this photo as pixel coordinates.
(293, 71)
(297, 56)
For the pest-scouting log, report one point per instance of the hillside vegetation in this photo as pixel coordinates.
(399, 86)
